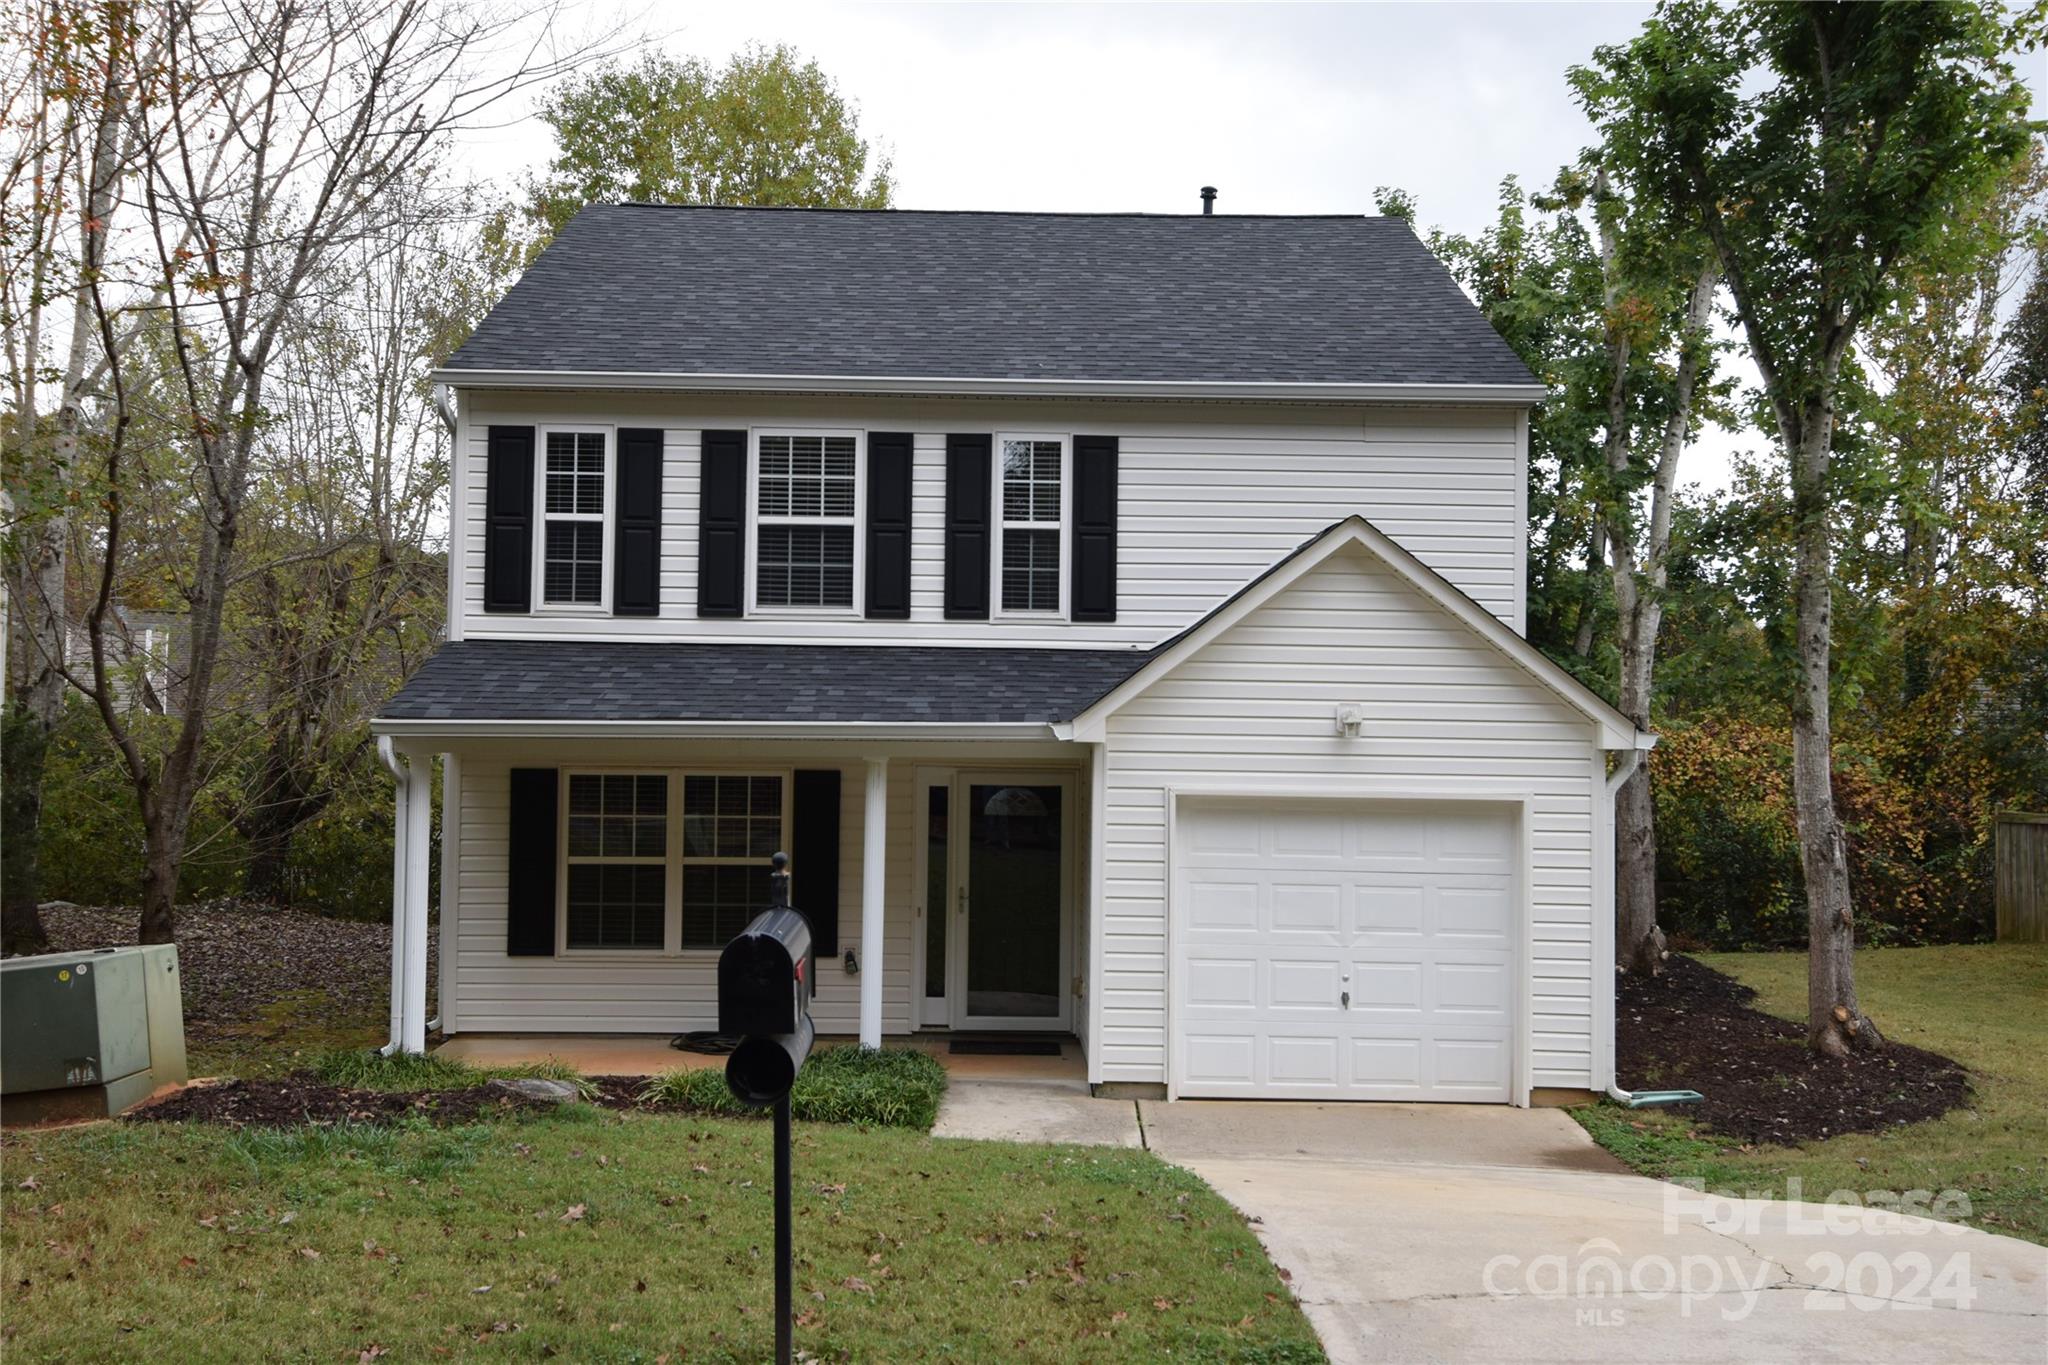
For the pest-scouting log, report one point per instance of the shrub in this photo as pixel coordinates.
(891, 1087)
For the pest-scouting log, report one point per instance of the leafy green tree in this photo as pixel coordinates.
(1611, 305)
(1822, 148)
(768, 129)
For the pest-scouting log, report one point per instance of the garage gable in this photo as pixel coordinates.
(1355, 536)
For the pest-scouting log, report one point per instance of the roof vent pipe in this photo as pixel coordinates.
(1208, 200)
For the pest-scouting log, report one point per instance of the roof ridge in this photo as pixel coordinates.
(1001, 213)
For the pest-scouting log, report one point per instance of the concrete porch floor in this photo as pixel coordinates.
(648, 1054)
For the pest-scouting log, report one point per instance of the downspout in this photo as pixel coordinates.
(444, 406)
(1640, 1099)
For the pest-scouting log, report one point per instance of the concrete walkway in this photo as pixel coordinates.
(1460, 1233)
(1034, 1110)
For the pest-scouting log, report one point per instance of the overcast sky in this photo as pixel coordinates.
(1285, 108)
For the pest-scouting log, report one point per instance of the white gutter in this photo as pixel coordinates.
(501, 728)
(1513, 395)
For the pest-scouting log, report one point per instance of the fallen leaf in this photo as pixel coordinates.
(481, 1289)
(30, 1184)
(857, 1285)
(186, 1263)
(369, 1353)
(1119, 1316)
(832, 1189)
(574, 1215)
(1162, 1303)
(309, 1253)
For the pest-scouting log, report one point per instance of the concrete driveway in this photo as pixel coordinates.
(1467, 1233)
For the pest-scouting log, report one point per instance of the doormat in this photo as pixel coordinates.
(1004, 1047)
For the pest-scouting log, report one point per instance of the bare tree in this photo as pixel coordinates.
(270, 138)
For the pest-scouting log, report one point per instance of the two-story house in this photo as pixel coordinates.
(1117, 618)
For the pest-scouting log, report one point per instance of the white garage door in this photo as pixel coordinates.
(1345, 949)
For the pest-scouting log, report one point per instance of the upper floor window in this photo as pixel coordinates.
(1031, 476)
(575, 515)
(807, 520)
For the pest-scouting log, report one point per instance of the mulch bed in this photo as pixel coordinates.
(1694, 1029)
(302, 1099)
(236, 958)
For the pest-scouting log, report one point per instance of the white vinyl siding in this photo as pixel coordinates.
(1209, 496)
(1447, 717)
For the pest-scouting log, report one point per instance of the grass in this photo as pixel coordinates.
(890, 1087)
(588, 1235)
(1978, 1003)
(284, 1036)
(366, 1069)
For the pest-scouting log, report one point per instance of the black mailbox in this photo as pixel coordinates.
(764, 976)
(763, 1067)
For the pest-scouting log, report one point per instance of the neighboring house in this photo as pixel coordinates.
(147, 657)
(1116, 617)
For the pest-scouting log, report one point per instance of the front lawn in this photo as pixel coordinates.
(1980, 1004)
(590, 1235)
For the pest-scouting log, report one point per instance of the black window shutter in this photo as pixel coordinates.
(508, 519)
(530, 876)
(722, 524)
(888, 549)
(636, 548)
(814, 855)
(968, 474)
(1094, 565)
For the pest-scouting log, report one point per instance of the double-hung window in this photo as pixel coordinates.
(616, 853)
(1031, 506)
(575, 474)
(807, 520)
(667, 861)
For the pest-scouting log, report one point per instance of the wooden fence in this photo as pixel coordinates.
(2020, 848)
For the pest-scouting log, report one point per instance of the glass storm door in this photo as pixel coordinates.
(1010, 918)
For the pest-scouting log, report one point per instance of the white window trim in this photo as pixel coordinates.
(999, 523)
(541, 518)
(860, 525)
(672, 885)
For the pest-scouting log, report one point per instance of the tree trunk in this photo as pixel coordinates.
(1834, 1022)
(1639, 942)
(23, 744)
(162, 855)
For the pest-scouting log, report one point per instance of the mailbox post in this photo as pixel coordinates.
(766, 978)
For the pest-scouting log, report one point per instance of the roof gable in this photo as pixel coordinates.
(1616, 730)
(1018, 298)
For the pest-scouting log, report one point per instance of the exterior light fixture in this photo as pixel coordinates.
(1350, 719)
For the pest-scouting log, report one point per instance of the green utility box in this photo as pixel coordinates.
(88, 1035)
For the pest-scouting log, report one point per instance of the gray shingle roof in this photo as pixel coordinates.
(906, 684)
(651, 289)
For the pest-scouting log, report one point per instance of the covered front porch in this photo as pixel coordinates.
(587, 884)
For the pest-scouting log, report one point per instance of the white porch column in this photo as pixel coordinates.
(400, 785)
(874, 852)
(419, 811)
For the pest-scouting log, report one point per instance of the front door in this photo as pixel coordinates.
(1000, 957)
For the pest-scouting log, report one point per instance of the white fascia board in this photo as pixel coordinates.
(1510, 395)
(1616, 730)
(705, 729)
